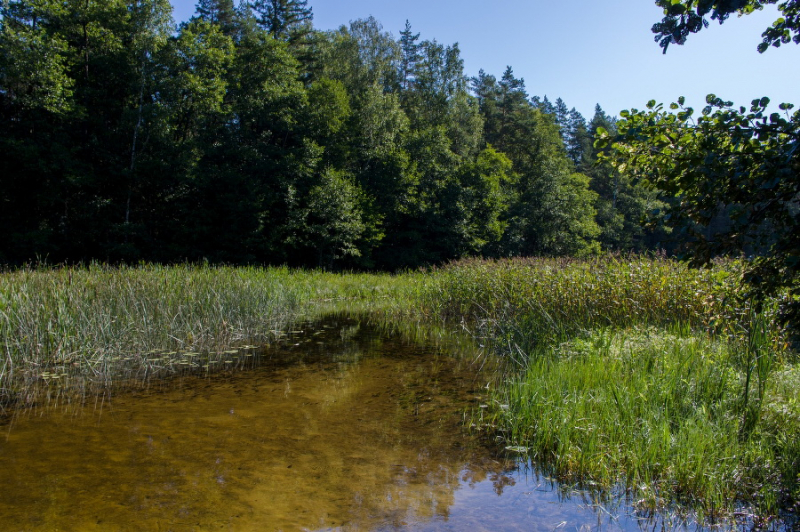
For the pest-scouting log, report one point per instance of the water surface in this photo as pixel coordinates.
(339, 426)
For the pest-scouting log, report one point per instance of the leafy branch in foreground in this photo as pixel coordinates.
(682, 17)
(729, 164)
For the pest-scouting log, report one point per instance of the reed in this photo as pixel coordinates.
(635, 372)
(561, 295)
(615, 371)
(98, 320)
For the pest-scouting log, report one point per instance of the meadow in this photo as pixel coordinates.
(619, 373)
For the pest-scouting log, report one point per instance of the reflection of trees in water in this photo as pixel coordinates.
(500, 481)
(339, 428)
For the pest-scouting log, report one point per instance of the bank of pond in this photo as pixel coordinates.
(616, 393)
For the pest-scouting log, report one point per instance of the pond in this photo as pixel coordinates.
(339, 426)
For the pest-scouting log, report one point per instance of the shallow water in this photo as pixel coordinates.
(338, 427)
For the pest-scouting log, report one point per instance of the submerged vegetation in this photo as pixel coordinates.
(98, 322)
(620, 371)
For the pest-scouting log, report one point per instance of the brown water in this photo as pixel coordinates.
(338, 427)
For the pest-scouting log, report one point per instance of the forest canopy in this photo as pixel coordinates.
(245, 135)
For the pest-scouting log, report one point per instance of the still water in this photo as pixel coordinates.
(339, 426)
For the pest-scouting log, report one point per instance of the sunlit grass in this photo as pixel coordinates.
(652, 409)
(617, 371)
(558, 296)
(98, 320)
(636, 372)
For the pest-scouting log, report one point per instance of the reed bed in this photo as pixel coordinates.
(636, 372)
(632, 372)
(101, 321)
(561, 295)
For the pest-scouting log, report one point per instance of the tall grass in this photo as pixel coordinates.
(650, 408)
(564, 295)
(636, 372)
(621, 371)
(89, 320)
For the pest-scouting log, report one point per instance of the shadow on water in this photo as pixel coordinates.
(339, 425)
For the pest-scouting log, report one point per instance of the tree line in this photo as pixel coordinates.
(245, 135)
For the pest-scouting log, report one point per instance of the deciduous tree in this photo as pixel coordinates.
(739, 163)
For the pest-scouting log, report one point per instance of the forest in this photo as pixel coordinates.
(244, 135)
(179, 203)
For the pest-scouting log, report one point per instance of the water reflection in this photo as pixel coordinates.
(338, 427)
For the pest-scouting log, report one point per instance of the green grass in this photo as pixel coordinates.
(632, 372)
(636, 372)
(655, 409)
(100, 322)
(558, 296)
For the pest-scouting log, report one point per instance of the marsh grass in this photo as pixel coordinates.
(632, 373)
(638, 373)
(658, 411)
(555, 297)
(102, 324)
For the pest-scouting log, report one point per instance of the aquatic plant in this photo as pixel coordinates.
(97, 321)
(637, 372)
(618, 371)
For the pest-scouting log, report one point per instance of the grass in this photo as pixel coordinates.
(650, 408)
(633, 372)
(106, 323)
(639, 373)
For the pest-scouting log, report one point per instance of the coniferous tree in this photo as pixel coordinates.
(579, 139)
(547, 107)
(222, 12)
(410, 55)
(562, 118)
(230, 19)
(281, 17)
(551, 209)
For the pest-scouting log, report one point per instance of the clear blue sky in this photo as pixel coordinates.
(587, 51)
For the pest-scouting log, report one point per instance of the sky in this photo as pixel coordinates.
(587, 51)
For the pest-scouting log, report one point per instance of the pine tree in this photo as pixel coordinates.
(562, 118)
(410, 57)
(578, 140)
(547, 107)
(283, 17)
(220, 12)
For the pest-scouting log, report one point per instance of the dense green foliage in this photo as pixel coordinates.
(682, 17)
(635, 372)
(734, 176)
(731, 176)
(245, 136)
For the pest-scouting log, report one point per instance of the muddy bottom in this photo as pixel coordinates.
(340, 426)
